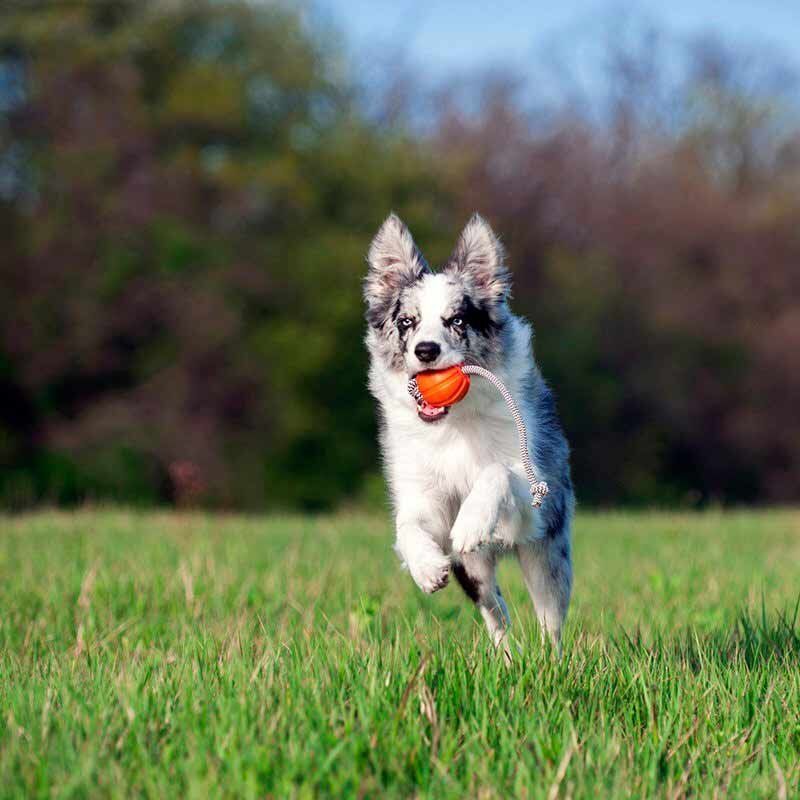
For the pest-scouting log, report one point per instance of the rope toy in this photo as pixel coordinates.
(445, 387)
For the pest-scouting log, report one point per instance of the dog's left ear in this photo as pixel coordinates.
(480, 257)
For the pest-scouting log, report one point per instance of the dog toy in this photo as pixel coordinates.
(445, 387)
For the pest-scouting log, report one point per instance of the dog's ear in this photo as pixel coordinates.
(394, 262)
(480, 258)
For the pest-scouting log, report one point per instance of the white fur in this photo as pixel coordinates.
(459, 483)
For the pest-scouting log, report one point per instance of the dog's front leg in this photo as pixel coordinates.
(496, 498)
(419, 550)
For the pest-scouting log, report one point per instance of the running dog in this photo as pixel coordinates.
(458, 488)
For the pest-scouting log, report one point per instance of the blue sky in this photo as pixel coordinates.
(448, 37)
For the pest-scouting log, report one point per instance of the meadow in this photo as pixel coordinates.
(200, 655)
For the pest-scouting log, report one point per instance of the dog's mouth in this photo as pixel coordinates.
(428, 413)
(425, 411)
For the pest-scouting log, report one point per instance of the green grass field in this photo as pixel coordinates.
(199, 655)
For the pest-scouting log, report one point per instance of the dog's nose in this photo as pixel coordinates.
(427, 351)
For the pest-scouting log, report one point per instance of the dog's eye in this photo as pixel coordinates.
(405, 322)
(457, 321)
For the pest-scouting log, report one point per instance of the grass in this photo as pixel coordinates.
(199, 655)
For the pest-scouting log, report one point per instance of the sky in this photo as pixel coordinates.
(450, 37)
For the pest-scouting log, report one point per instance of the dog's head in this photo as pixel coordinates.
(423, 320)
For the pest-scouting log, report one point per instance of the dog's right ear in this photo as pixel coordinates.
(394, 262)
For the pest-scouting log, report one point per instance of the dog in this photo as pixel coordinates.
(458, 488)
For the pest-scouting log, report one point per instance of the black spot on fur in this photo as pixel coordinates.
(470, 586)
(376, 316)
(478, 317)
(402, 331)
(556, 517)
(396, 311)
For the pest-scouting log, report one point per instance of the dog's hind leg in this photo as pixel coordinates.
(547, 569)
(475, 572)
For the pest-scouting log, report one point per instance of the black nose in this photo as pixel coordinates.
(427, 351)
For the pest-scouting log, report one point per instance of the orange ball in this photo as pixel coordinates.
(443, 387)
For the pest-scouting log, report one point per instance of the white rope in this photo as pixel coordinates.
(539, 489)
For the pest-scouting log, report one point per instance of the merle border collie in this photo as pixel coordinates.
(458, 488)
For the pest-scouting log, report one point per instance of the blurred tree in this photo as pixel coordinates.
(659, 259)
(187, 191)
(180, 279)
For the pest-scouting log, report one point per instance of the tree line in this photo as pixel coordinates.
(187, 192)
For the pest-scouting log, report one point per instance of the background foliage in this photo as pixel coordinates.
(187, 191)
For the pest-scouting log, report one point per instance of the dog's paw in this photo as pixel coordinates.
(467, 536)
(431, 575)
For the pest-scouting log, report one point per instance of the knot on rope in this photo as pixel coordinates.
(539, 491)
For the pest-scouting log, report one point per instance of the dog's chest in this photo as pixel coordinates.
(455, 455)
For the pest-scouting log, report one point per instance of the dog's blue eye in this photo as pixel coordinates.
(457, 321)
(406, 322)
